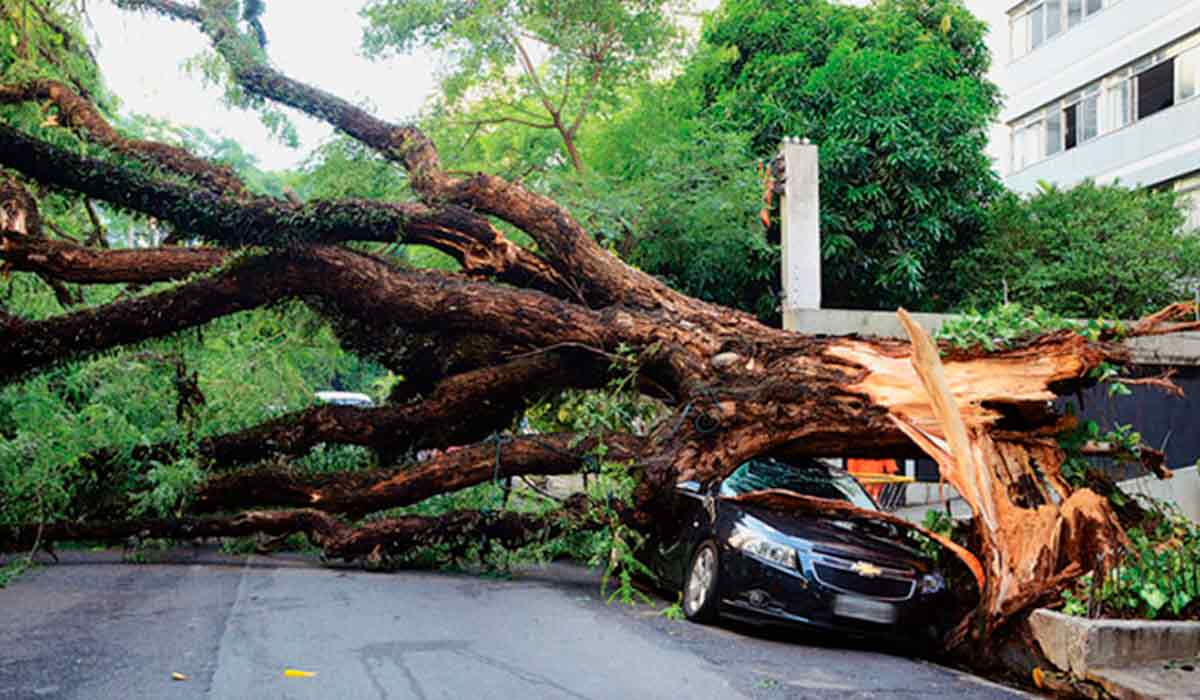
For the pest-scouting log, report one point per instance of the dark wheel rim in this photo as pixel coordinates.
(700, 580)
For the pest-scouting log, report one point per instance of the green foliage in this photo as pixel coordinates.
(521, 65)
(221, 150)
(940, 522)
(615, 546)
(330, 459)
(1125, 441)
(51, 422)
(12, 569)
(1009, 324)
(600, 538)
(171, 487)
(896, 97)
(674, 611)
(1087, 252)
(45, 42)
(1157, 578)
(239, 48)
(679, 198)
(618, 407)
(343, 168)
(670, 191)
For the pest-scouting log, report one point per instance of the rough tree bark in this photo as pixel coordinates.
(535, 320)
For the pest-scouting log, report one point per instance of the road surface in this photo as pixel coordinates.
(92, 627)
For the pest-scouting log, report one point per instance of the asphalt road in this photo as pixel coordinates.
(93, 628)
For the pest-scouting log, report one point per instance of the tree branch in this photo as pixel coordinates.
(461, 409)
(507, 120)
(470, 238)
(31, 345)
(69, 262)
(593, 87)
(596, 276)
(360, 493)
(354, 285)
(337, 539)
(84, 118)
(531, 73)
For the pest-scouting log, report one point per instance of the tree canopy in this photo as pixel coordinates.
(546, 65)
(896, 96)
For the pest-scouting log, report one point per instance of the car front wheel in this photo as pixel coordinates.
(700, 597)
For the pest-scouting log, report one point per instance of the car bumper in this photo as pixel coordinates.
(759, 592)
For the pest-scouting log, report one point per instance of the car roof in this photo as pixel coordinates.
(344, 397)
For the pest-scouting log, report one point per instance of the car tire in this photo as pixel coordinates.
(701, 585)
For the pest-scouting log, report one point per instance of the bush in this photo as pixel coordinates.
(1086, 252)
(1157, 578)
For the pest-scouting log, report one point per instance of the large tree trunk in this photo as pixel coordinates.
(515, 322)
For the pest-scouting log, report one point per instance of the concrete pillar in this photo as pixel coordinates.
(801, 228)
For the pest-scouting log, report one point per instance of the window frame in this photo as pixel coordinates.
(1102, 107)
(1033, 124)
(1023, 15)
(1187, 51)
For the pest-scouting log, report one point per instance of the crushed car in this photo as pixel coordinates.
(734, 559)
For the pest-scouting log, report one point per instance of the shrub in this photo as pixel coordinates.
(1090, 251)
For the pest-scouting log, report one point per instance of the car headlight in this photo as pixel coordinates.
(932, 583)
(775, 553)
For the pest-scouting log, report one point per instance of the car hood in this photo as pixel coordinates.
(829, 536)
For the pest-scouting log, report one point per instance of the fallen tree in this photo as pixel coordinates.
(557, 315)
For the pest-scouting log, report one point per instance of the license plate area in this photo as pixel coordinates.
(859, 608)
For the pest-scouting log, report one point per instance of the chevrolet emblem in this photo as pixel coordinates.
(866, 570)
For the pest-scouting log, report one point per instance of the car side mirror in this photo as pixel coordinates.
(689, 486)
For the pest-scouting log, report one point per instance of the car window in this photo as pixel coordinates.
(809, 478)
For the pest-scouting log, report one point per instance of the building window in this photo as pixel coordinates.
(1035, 22)
(1054, 132)
(1152, 84)
(1089, 113)
(1120, 88)
(1029, 141)
(1156, 89)
(1059, 127)
(1187, 74)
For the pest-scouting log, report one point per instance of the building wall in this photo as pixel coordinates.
(1158, 149)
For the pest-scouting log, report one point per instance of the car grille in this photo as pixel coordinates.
(893, 584)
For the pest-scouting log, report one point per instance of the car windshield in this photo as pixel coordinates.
(807, 477)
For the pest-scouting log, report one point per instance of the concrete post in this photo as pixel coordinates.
(801, 228)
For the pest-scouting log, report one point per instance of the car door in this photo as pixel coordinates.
(690, 523)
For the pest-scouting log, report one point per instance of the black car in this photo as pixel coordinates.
(761, 566)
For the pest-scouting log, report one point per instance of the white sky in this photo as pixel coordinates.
(142, 58)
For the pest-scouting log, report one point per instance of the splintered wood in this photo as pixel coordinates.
(1032, 541)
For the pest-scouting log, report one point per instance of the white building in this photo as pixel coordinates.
(1100, 89)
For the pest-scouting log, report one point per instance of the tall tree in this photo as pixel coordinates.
(896, 96)
(512, 322)
(539, 64)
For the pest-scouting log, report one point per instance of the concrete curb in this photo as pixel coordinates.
(1078, 645)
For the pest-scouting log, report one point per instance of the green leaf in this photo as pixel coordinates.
(1153, 597)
